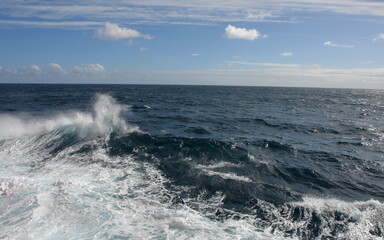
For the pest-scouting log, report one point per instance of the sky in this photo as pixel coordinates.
(295, 43)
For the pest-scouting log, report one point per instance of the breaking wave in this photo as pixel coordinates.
(104, 119)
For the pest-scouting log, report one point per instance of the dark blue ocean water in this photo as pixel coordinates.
(190, 162)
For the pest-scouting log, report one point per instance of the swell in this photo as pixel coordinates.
(274, 186)
(295, 127)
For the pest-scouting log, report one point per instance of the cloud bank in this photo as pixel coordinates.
(26, 71)
(53, 69)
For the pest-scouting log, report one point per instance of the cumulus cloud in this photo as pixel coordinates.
(331, 44)
(114, 32)
(233, 32)
(379, 37)
(56, 68)
(90, 68)
(35, 69)
(286, 54)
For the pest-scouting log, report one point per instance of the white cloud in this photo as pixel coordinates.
(195, 54)
(56, 68)
(286, 54)
(331, 44)
(259, 16)
(379, 37)
(233, 32)
(90, 68)
(114, 32)
(35, 68)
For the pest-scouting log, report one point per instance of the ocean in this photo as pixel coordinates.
(190, 162)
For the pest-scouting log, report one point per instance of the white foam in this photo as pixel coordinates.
(227, 175)
(212, 170)
(364, 213)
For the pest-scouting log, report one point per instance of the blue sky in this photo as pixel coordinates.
(328, 43)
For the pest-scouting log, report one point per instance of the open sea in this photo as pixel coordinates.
(190, 162)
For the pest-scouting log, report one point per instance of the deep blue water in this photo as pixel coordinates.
(190, 162)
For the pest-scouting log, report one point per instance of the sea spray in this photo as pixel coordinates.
(107, 116)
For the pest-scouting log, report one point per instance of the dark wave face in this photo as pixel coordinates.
(182, 162)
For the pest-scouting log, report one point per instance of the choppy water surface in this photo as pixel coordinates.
(189, 162)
